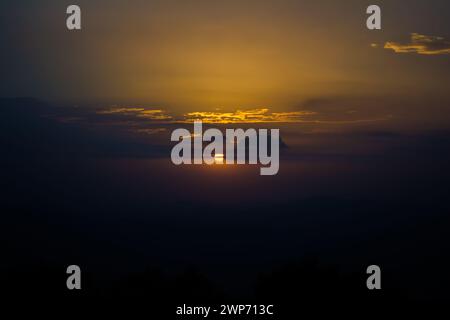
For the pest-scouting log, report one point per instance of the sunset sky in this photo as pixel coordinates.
(316, 58)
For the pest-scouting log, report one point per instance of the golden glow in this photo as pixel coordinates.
(198, 55)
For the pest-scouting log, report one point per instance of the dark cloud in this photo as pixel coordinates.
(346, 110)
(30, 128)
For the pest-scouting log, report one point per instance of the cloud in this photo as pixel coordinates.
(152, 114)
(421, 44)
(30, 129)
(248, 116)
(134, 116)
(314, 112)
(151, 130)
(346, 110)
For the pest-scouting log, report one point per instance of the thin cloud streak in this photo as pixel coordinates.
(152, 114)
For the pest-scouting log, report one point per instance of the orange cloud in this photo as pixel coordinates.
(142, 117)
(247, 116)
(421, 44)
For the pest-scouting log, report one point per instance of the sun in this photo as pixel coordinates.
(218, 158)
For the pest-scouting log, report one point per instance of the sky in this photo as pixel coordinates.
(137, 70)
(207, 56)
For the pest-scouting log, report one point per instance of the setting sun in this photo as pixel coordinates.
(218, 158)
